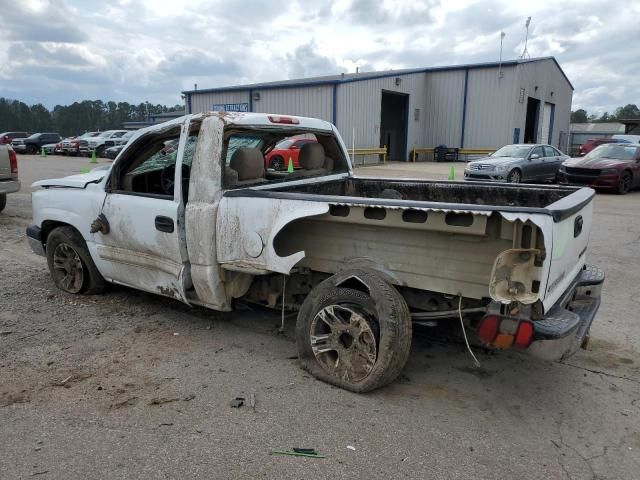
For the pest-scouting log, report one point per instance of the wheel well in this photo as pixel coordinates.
(48, 226)
(355, 283)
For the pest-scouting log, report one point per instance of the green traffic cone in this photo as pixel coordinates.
(452, 173)
(84, 170)
(42, 152)
(290, 167)
(93, 157)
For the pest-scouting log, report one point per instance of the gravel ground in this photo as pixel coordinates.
(131, 385)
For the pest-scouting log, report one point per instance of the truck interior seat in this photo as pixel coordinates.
(248, 163)
(313, 159)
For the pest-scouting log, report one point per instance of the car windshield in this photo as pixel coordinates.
(516, 151)
(613, 151)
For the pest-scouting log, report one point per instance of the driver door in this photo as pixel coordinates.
(534, 166)
(144, 247)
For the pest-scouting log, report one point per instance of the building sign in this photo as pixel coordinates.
(231, 107)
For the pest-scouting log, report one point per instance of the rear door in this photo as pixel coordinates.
(144, 247)
(534, 167)
(552, 161)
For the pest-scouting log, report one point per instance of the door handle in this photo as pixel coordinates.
(164, 224)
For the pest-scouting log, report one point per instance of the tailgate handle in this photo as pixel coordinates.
(164, 224)
(577, 226)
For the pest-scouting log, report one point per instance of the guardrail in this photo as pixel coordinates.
(369, 151)
(466, 152)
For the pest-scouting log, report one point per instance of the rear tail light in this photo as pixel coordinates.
(285, 120)
(13, 161)
(488, 328)
(524, 335)
(505, 332)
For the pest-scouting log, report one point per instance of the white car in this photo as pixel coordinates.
(98, 144)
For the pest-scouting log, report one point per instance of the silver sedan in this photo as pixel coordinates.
(517, 163)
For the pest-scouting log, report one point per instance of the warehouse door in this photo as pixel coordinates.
(547, 123)
(393, 124)
(531, 125)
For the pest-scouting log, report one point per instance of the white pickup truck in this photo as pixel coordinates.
(9, 182)
(189, 211)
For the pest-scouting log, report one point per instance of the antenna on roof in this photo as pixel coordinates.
(357, 69)
(500, 73)
(526, 39)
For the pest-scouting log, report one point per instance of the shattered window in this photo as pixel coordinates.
(241, 141)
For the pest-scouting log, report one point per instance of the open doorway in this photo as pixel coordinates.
(531, 124)
(393, 124)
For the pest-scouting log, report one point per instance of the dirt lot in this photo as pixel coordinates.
(131, 385)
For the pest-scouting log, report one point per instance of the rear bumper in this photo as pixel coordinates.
(9, 186)
(566, 326)
(34, 237)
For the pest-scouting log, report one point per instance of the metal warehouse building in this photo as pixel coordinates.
(476, 106)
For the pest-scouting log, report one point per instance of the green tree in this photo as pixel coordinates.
(579, 116)
(628, 111)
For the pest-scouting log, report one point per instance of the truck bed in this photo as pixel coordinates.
(558, 202)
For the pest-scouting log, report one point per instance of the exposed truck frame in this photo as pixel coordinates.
(361, 259)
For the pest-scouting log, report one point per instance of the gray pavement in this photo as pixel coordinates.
(151, 381)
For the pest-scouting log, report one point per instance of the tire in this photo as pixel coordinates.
(515, 176)
(3, 201)
(32, 149)
(70, 263)
(625, 183)
(371, 333)
(277, 163)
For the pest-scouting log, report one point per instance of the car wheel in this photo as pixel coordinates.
(355, 340)
(625, 183)
(3, 201)
(277, 163)
(515, 176)
(70, 263)
(32, 149)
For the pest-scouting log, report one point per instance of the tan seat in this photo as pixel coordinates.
(248, 164)
(313, 160)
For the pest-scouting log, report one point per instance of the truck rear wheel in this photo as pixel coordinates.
(355, 340)
(70, 263)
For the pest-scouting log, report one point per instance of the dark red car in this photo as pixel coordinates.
(289, 148)
(7, 137)
(613, 166)
(596, 142)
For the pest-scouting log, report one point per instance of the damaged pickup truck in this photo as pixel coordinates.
(187, 210)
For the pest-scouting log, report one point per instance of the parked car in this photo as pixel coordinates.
(71, 146)
(112, 152)
(35, 142)
(609, 167)
(51, 148)
(7, 137)
(9, 182)
(278, 158)
(592, 143)
(484, 260)
(517, 163)
(97, 143)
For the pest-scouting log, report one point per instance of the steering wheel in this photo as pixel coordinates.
(168, 175)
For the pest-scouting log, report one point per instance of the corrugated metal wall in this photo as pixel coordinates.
(552, 88)
(314, 102)
(203, 102)
(359, 107)
(443, 110)
(490, 102)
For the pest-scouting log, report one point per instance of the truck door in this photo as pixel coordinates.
(143, 246)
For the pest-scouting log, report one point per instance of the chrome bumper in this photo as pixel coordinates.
(9, 186)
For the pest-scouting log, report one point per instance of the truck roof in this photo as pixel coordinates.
(269, 119)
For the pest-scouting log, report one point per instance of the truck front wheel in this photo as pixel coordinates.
(70, 263)
(357, 340)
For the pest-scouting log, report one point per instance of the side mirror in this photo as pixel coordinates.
(534, 156)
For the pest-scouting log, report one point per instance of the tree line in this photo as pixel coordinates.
(628, 111)
(74, 119)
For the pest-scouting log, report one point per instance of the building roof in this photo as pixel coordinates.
(603, 127)
(358, 77)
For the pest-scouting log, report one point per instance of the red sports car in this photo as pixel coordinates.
(613, 166)
(289, 148)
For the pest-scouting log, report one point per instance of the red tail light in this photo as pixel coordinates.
(524, 335)
(285, 120)
(13, 161)
(488, 328)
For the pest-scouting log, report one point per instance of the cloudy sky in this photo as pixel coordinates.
(60, 51)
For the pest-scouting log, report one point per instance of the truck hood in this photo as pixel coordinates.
(73, 181)
(595, 162)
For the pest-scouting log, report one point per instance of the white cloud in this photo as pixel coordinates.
(60, 51)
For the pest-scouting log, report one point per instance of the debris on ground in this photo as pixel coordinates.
(299, 452)
(237, 402)
(351, 447)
